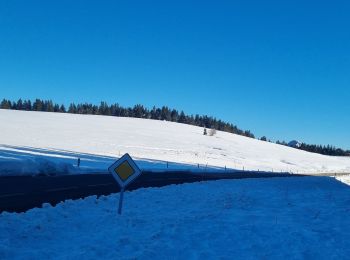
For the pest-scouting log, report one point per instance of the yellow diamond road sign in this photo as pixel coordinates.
(124, 170)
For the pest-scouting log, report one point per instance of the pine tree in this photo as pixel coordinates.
(182, 117)
(72, 108)
(138, 111)
(48, 106)
(38, 105)
(20, 104)
(27, 105)
(174, 115)
(62, 109)
(5, 104)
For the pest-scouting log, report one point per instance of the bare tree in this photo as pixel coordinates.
(212, 132)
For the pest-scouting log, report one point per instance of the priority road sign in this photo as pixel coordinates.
(124, 172)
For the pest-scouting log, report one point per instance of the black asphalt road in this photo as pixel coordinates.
(20, 193)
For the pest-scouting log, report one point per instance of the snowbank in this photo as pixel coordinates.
(289, 218)
(344, 178)
(35, 166)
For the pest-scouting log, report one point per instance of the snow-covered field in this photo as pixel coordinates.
(40, 142)
(293, 218)
(278, 218)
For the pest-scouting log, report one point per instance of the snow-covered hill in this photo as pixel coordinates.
(39, 140)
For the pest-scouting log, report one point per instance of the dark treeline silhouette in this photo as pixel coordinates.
(326, 150)
(321, 149)
(163, 113)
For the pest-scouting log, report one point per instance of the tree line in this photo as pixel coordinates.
(156, 113)
(321, 149)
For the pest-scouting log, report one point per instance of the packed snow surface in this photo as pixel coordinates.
(277, 218)
(41, 142)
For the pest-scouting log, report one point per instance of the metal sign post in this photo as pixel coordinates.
(121, 196)
(124, 172)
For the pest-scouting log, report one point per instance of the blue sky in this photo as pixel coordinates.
(278, 68)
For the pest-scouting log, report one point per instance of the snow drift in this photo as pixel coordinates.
(278, 218)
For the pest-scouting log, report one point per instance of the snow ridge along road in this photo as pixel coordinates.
(272, 218)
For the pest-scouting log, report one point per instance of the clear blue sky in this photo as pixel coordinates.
(278, 68)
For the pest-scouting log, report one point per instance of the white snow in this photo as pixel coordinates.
(39, 142)
(344, 178)
(278, 218)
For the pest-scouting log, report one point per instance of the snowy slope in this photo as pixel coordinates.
(33, 140)
(279, 218)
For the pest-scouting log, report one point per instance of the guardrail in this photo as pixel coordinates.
(20, 193)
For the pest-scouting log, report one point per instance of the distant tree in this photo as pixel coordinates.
(56, 108)
(153, 113)
(38, 105)
(5, 104)
(263, 138)
(104, 109)
(190, 120)
(72, 108)
(174, 115)
(165, 114)
(247, 133)
(205, 131)
(48, 106)
(27, 105)
(139, 111)
(212, 132)
(182, 117)
(62, 109)
(20, 104)
(14, 105)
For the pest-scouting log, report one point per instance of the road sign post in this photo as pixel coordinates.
(121, 196)
(124, 172)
